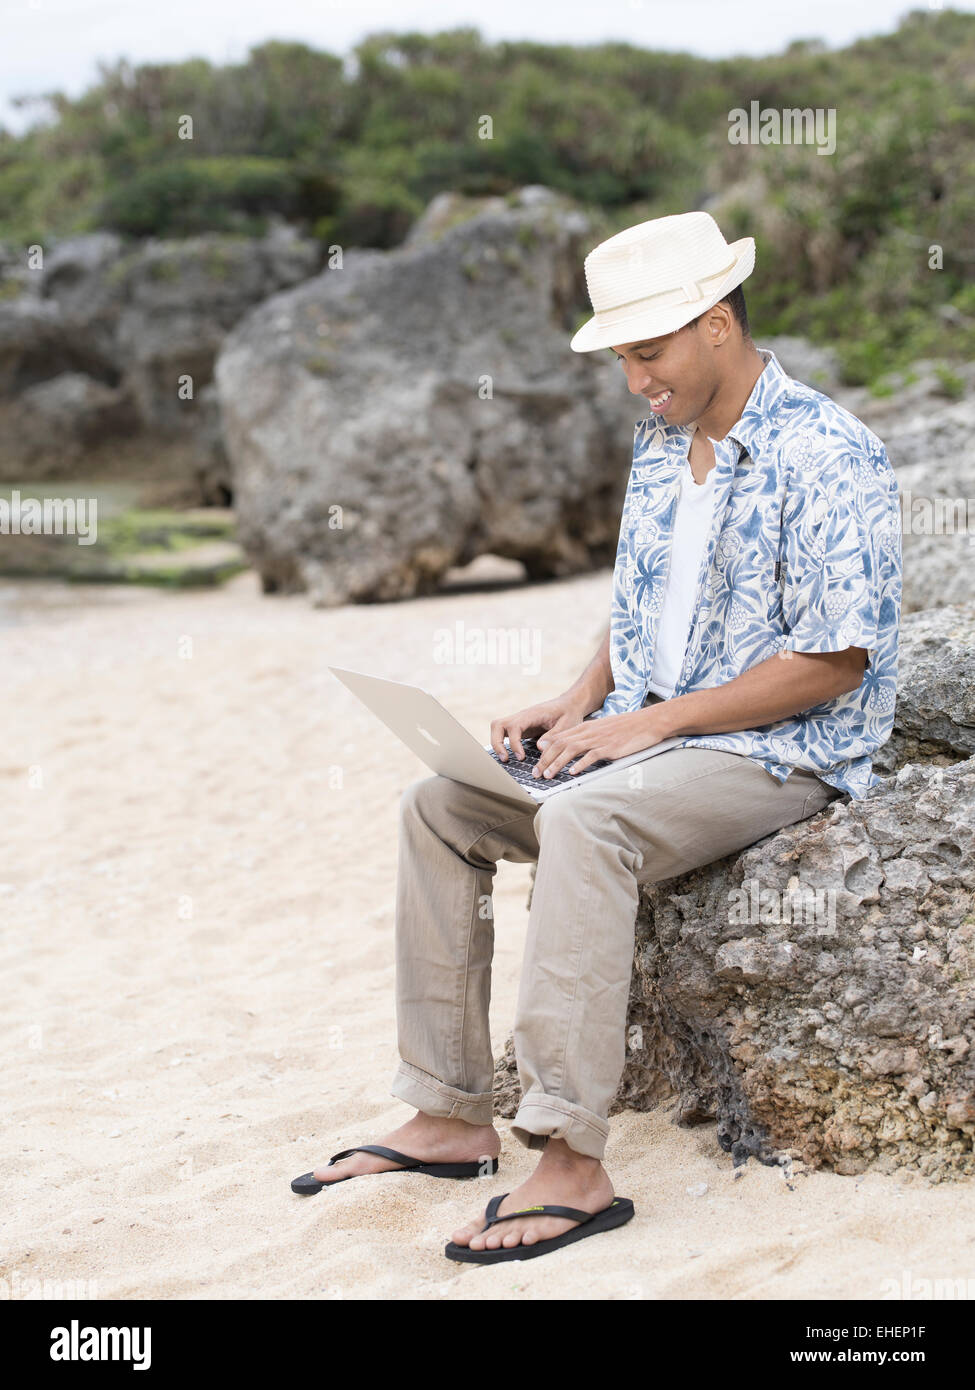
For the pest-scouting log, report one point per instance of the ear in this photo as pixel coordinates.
(718, 323)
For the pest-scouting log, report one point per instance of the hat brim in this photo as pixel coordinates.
(655, 323)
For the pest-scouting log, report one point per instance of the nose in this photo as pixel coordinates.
(638, 379)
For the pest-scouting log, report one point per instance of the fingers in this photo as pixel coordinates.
(514, 738)
(558, 750)
(588, 758)
(515, 728)
(498, 727)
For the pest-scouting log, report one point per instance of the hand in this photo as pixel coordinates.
(565, 711)
(615, 736)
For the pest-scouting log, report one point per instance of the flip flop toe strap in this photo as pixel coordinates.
(570, 1213)
(383, 1152)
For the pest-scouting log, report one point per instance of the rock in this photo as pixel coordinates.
(142, 321)
(178, 301)
(444, 211)
(816, 366)
(917, 401)
(449, 209)
(79, 279)
(31, 344)
(212, 464)
(142, 315)
(419, 407)
(47, 429)
(934, 717)
(815, 994)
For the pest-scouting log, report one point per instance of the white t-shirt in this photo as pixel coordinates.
(692, 525)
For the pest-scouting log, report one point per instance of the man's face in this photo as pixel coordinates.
(676, 373)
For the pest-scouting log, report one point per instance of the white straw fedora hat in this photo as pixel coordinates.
(653, 278)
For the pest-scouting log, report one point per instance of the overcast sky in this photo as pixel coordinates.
(54, 44)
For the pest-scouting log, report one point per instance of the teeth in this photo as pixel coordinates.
(659, 400)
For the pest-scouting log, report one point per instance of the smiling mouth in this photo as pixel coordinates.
(660, 402)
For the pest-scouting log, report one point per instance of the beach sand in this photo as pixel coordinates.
(197, 943)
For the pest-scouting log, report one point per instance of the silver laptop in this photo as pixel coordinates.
(436, 737)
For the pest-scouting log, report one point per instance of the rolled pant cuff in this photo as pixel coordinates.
(541, 1118)
(435, 1097)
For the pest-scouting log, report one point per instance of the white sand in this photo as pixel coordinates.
(197, 943)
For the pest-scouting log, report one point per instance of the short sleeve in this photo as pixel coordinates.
(841, 558)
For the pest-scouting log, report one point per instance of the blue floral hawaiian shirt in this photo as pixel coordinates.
(804, 555)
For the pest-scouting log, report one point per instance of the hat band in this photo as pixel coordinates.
(687, 293)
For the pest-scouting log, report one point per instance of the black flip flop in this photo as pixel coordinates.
(307, 1185)
(617, 1213)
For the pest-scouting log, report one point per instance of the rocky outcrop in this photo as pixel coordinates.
(419, 407)
(108, 340)
(934, 720)
(178, 301)
(815, 994)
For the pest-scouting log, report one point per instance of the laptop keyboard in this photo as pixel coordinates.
(521, 769)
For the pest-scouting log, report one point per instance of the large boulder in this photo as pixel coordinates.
(104, 339)
(815, 994)
(416, 408)
(178, 301)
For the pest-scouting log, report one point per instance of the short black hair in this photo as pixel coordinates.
(735, 299)
(736, 303)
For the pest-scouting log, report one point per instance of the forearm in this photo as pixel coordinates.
(597, 680)
(775, 689)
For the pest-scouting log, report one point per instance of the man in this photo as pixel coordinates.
(755, 612)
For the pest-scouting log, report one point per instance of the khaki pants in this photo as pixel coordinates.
(594, 845)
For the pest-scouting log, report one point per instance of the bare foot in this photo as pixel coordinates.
(425, 1137)
(563, 1178)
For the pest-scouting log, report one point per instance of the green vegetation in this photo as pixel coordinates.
(139, 530)
(166, 548)
(952, 385)
(353, 152)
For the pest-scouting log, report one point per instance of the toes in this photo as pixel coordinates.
(329, 1174)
